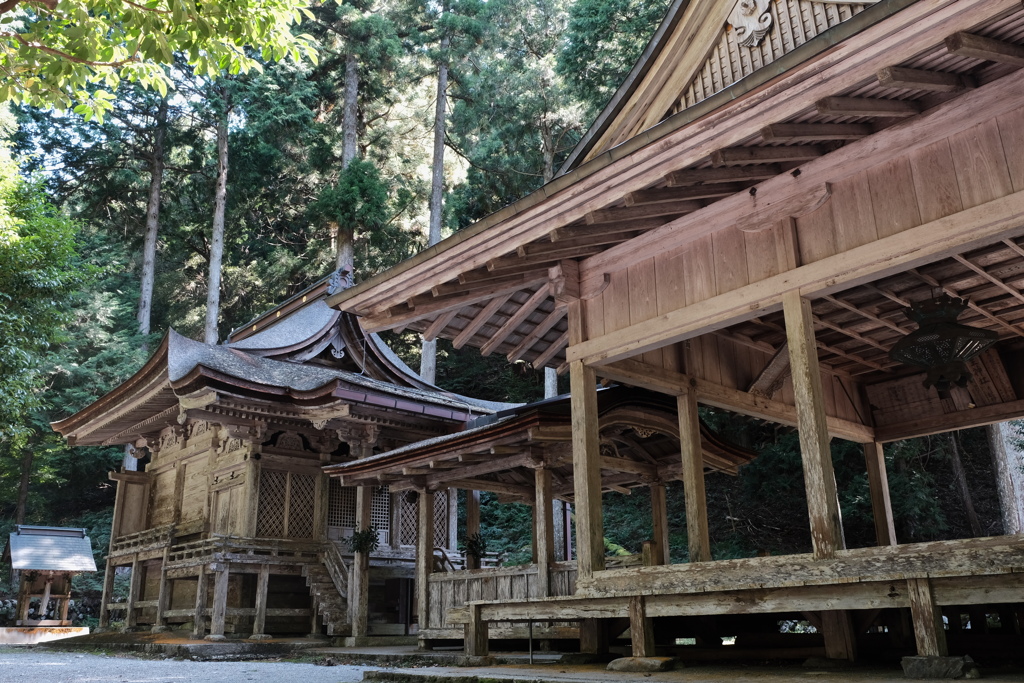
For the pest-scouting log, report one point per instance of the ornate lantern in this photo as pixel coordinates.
(940, 344)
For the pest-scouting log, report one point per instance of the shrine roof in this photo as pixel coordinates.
(44, 548)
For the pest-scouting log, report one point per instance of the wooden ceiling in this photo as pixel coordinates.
(508, 306)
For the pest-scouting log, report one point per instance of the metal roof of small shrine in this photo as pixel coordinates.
(47, 548)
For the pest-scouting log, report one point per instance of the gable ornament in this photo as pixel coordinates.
(751, 19)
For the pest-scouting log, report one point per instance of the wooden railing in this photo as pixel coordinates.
(240, 549)
(140, 541)
(455, 589)
(336, 567)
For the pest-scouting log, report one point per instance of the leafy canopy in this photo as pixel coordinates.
(74, 53)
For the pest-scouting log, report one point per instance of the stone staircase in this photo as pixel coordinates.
(328, 586)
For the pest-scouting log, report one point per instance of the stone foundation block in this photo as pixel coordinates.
(940, 667)
(642, 664)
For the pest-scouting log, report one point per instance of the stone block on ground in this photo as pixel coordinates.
(642, 664)
(940, 667)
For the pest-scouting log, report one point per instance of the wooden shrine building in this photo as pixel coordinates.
(746, 226)
(230, 525)
(45, 559)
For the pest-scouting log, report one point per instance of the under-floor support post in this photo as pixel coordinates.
(593, 637)
(476, 634)
(164, 594)
(202, 586)
(259, 624)
(692, 456)
(220, 605)
(929, 633)
(819, 477)
(108, 590)
(840, 635)
(640, 628)
(131, 619)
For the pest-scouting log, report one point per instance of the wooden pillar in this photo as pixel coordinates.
(659, 524)
(840, 635)
(259, 624)
(199, 623)
(692, 456)
(424, 556)
(472, 524)
(593, 637)
(162, 596)
(45, 601)
(640, 628)
(220, 605)
(361, 566)
(65, 602)
(252, 493)
(108, 590)
(819, 477)
(929, 633)
(878, 484)
(131, 618)
(476, 633)
(543, 531)
(586, 465)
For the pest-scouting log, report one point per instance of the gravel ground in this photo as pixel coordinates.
(19, 664)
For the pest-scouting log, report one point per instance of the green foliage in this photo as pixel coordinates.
(474, 545)
(364, 541)
(604, 39)
(76, 52)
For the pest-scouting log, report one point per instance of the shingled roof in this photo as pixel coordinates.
(48, 548)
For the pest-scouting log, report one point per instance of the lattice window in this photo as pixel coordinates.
(408, 516)
(273, 495)
(380, 513)
(301, 506)
(341, 507)
(441, 500)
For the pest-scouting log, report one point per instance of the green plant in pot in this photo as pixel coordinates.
(474, 546)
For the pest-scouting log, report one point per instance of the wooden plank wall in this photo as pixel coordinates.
(964, 170)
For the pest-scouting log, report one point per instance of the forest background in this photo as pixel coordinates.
(203, 200)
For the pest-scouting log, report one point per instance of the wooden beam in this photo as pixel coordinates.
(518, 491)
(489, 466)
(479, 320)
(772, 375)
(961, 419)
(573, 232)
(496, 284)
(553, 350)
(438, 326)
(819, 477)
(515, 263)
(765, 155)
(814, 132)
(424, 307)
(674, 383)
(691, 452)
(878, 485)
(919, 79)
(929, 633)
(989, 49)
(543, 531)
(926, 243)
(547, 246)
(701, 176)
(864, 106)
(643, 469)
(515, 320)
(424, 556)
(629, 213)
(674, 194)
(482, 275)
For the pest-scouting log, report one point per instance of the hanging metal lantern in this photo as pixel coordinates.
(940, 344)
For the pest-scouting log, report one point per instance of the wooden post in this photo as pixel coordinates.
(692, 456)
(543, 531)
(259, 624)
(163, 596)
(108, 589)
(640, 628)
(252, 493)
(424, 557)
(878, 484)
(928, 630)
(840, 637)
(819, 477)
(593, 637)
(659, 524)
(130, 618)
(586, 466)
(476, 633)
(199, 624)
(472, 524)
(65, 602)
(45, 601)
(220, 605)
(361, 567)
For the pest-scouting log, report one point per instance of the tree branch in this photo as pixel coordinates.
(64, 55)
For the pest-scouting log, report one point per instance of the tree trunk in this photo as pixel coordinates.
(428, 358)
(156, 176)
(26, 476)
(345, 234)
(220, 199)
(960, 478)
(1008, 461)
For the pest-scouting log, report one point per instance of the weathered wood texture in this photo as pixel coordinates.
(586, 463)
(693, 478)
